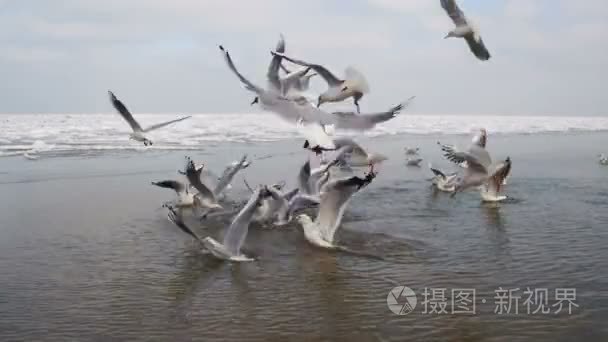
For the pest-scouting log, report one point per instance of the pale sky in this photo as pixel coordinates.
(549, 57)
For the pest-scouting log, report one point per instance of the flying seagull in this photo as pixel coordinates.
(602, 159)
(317, 139)
(138, 132)
(465, 29)
(335, 196)
(294, 108)
(353, 85)
(478, 147)
(297, 80)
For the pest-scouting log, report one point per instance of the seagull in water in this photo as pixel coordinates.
(138, 132)
(353, 85)
(218, 184)
(205, 195)
(178, 220)
(477, 172)
(185, 198)
(490, 192)
(335, 196)
(465, 29)
(443, 182)
(230, 248)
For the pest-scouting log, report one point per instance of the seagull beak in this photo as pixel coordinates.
(446, 36)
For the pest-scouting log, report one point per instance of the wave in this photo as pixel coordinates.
(40, 133)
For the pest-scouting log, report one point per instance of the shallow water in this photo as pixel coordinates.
(86, 253)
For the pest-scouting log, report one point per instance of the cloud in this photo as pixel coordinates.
(162, 56)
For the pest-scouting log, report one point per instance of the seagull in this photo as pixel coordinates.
(205, 195)
(490, 192)
(220, 185)
(317, 139)
(306, 195)
(478, 142)
(275, 206)
(177, 219)
(295, 108)
(138, 132)
(413, 162)
(465, 29)
(356, 156)
(335, 196)
(603, 160)
(297, 80)
(411, 150)
(29, 155)
(442, 181)
(185, 198)
(477, 173)
(229, 172)
(353, 85)
(230, 248)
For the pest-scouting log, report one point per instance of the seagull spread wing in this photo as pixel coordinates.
(248, 85)
(194, 177)
(480, 139)
(124, 112)
(327, 75)
(237, 232)
(334, 197)
(351, 152)
(304, 179)
(354, 121)
(478, 47)
(275, 64)
(315, 134)
(454, 155)
(178, 187)
(500, 174)
(163, 124)
(438, 173)
(177, 219)
(229, 173)
(454, 12)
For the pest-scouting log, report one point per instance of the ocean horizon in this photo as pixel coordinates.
(85, 132)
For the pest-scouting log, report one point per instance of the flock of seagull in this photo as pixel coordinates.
(337, 167)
